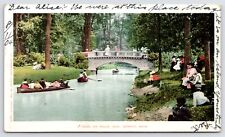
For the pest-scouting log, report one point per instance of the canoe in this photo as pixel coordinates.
(29, 90)
(80, 80)
(115, 71)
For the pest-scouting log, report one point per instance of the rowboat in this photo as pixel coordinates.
(115, 71)
(29, 90)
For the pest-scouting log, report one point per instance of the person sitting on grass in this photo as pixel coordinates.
(189, 76)
(24, 84)
(199, 99)
(180, 111)
(154, 78)
(197, 80)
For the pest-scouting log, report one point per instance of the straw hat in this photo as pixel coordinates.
(152, 72)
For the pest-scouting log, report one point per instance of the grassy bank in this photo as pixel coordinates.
(56, 72)
(166, 97)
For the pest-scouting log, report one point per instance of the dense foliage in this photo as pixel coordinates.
(159, 33)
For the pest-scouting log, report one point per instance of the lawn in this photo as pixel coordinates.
(55, 73)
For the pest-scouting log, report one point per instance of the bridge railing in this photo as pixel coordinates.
(114, 54)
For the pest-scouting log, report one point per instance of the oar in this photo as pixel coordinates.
(95, 79)
(68, 89)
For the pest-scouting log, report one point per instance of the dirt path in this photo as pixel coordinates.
(145, 90)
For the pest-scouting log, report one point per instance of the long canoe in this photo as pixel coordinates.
(29, 90)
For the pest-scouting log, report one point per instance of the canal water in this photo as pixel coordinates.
(95, 100)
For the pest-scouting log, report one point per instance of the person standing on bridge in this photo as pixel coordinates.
(116, 50)
(107, 50)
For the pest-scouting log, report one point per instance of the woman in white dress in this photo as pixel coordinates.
(177, 66)
(107, 50)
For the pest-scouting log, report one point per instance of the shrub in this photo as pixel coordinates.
(19, 60)
(202, 113)
(35, 57)
(139, 80)
(63, 61)
(153, 56)
(209, 89)
(80, 61)
(139, 83)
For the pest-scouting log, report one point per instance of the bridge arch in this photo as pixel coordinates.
(142, 64)
(108, 62)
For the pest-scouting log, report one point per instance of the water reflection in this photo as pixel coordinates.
(92, 101)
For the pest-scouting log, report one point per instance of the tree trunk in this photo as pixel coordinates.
(109, 28)
(187, 49)
(159, 43)
(104, 34)
(17, 41)
(121, 35)
(207, 60)
(47, 41)
(86, 39)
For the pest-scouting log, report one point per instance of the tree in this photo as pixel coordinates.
(17, 41)
(207, 61)
(187, 49)
(159, 43)
(203, 37)
(48, 41)
(86, 39)
(158, 32)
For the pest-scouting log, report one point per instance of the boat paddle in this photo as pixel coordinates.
(95, 79)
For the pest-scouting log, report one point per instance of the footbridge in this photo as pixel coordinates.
(98, 58)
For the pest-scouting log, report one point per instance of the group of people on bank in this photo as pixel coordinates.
(177, 63)
(193, 81)
(42, 84)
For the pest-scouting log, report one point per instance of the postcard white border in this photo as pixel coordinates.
(108, 126)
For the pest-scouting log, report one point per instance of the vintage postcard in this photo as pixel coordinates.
(112, 68)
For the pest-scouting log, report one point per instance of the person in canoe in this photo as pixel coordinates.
(24, 84)
(83, 77)
(42, 83)
(115, 71)
(37, 85)
(63, 83)
(56, 84)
